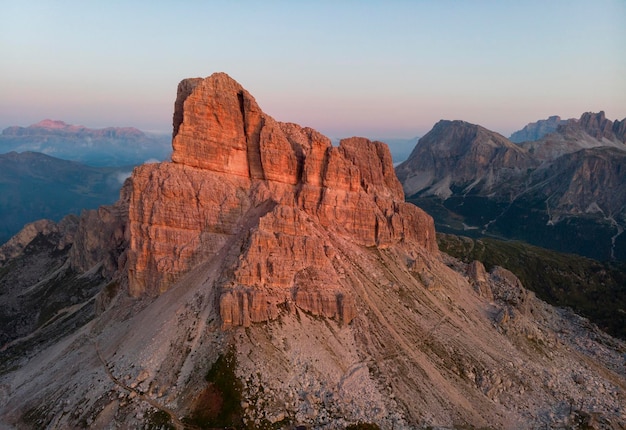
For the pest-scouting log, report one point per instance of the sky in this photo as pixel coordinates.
(368, 68)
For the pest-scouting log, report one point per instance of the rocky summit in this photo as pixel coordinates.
(468, 157)
(265, 278)
(277, 190)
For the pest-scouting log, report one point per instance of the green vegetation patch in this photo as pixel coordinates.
(219, 404)
(158, 420)
(363, 426)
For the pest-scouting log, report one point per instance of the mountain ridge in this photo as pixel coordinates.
(301, 276)
(564, 192)
(104, 147)
(35, 186)
(594, 124)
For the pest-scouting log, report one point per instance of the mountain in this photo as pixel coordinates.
(537, 130)
(95, 147)
(595, 125)
(35, 186)
(463, 156)
(265, 278)
(565, 191)
(590, 131)
(598, 126)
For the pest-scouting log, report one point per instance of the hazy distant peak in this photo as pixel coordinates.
(537, 130)
(594, 124)
(50, 126)
(111, 146)
(53, 124)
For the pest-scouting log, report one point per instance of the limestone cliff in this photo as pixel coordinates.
(277, 190)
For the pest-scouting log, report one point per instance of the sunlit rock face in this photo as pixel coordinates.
(277, 192)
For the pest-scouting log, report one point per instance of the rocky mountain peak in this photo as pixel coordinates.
(458, 153)
(280, 192)
(599, 127)
(537, 130)
(458, 136)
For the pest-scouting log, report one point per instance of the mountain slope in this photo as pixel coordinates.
(266, 279)
(35, 186)
(591, 288)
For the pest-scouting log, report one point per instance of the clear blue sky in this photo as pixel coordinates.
(370, 68)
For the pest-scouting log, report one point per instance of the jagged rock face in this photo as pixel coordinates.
(287, 261)
(457, 153)
(102, 238)
(277, 190)
(537, 130)
(587, 181)
(224, 130)
(598, 126)
(590, 131)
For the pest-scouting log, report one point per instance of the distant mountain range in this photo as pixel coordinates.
(51, 169)
(564, 190)
(35, 186)
(110, 146)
